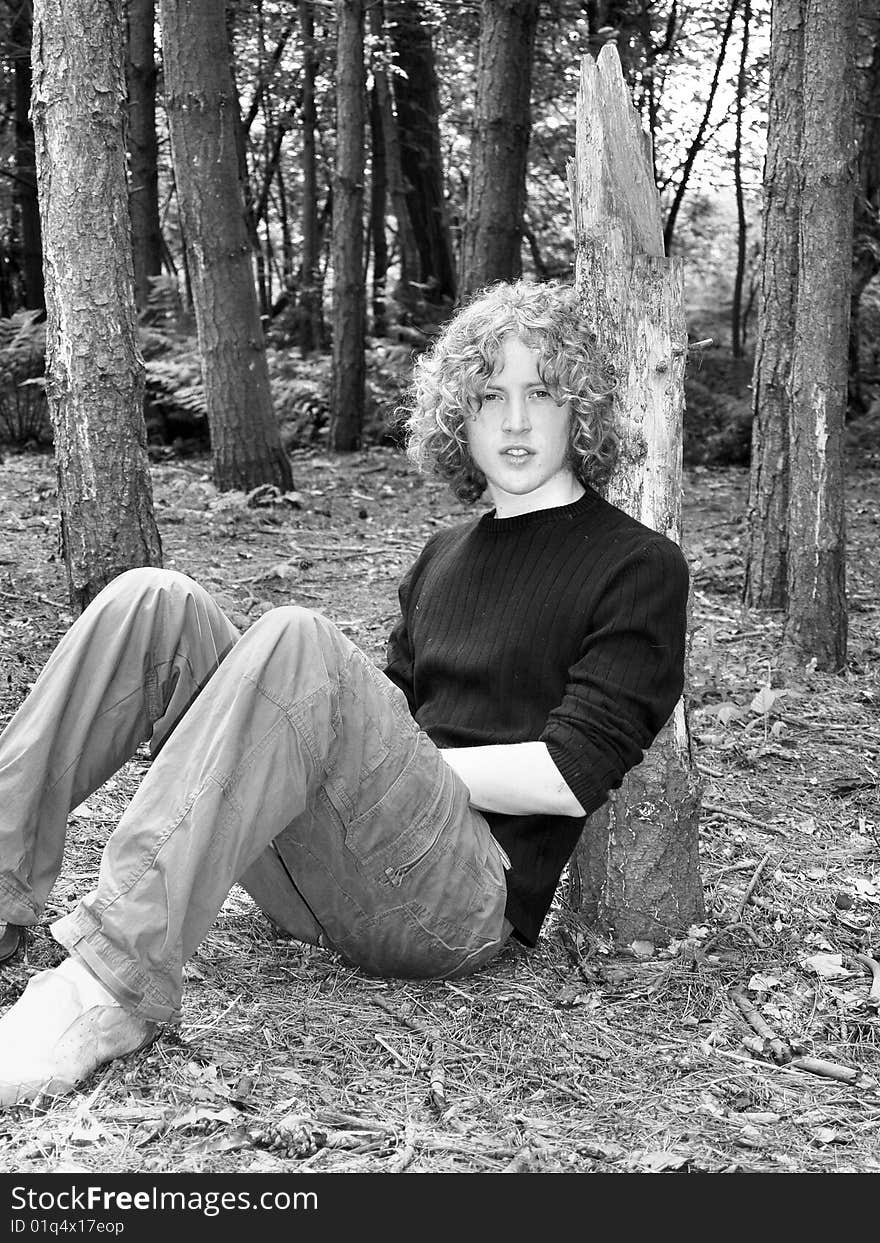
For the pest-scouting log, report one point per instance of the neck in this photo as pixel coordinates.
(508, 505)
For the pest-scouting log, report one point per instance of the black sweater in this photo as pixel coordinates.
(565, 625)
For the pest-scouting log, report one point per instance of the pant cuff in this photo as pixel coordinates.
(130, 985)
(16, 907)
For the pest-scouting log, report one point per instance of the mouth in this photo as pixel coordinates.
(517, 452)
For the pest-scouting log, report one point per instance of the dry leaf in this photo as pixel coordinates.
(226, 1141)
(865, 888)
(658, 1162)
(727, 712)
(762, 983)
(829, 966)
(765, 699)
(570, 995)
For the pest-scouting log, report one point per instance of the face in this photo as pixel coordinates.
(519, 437)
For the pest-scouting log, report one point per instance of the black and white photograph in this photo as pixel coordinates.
(439, 605)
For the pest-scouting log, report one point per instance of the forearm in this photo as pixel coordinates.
(517, 779)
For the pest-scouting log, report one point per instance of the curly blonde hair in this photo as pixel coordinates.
(450, 379)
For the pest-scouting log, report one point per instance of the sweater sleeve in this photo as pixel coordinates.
(628, 677)
(399, 655)
(399, 659)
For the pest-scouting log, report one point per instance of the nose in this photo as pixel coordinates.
(516, 414)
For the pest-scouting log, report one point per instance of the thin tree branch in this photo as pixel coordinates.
(698, 141)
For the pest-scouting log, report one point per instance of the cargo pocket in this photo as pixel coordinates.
(394, 821)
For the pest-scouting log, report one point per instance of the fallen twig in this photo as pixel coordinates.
(874, 967)
(811, 1065)
(393, 1052)
(460, 991)
(746, 928)
(413, 1024)
(565, 1089)
(750, 888)
(782, 1052)
(828, 1070)
(335, 1118)
(576, 956)
(437, 1090)
(403, 1157)
(778, 1047)
(731, 867)
(741, 634)
(714, 809)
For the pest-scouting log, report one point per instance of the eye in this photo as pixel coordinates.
(542, 394)
(490, 397)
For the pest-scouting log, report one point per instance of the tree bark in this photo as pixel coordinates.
(418, 117)
(311, 318)
(767, 552)
(636, 872)
(736, 333)
(866, 222)
(378, 200)
(26, 182)
(202, 111)
(499, 144)
(251, 217)
(349, 292)
(287, 250)
(143, 148)
(816, 621)
(408, 262)
(94, 370)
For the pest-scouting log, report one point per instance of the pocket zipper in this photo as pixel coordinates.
(503, 853)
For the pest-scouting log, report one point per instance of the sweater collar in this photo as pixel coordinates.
(539, 517)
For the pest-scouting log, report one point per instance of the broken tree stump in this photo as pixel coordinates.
(635, 873)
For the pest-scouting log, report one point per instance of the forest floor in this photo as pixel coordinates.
(574, 1056)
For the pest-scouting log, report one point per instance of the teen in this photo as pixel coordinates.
(410, 819)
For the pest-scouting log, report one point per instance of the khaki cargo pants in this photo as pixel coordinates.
(283, 759)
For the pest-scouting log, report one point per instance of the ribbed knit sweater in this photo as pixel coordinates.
(564, 625)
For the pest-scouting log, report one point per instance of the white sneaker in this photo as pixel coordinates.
(63, 1026)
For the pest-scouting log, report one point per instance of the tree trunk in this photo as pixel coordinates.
(499, 144)
(287, 253)
(378, 199)
(408, 263)
(349, 296)
(736, 333)
(94, 370)
(202, 109)
(26, 183)
(767, 552)
(635, 873)
(143, 148)
(311, 317)
(421, 157)
(816, 621)
(251, 216)
(620, 20)
(866, 223)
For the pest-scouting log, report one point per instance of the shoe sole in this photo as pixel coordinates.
(10, 942)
